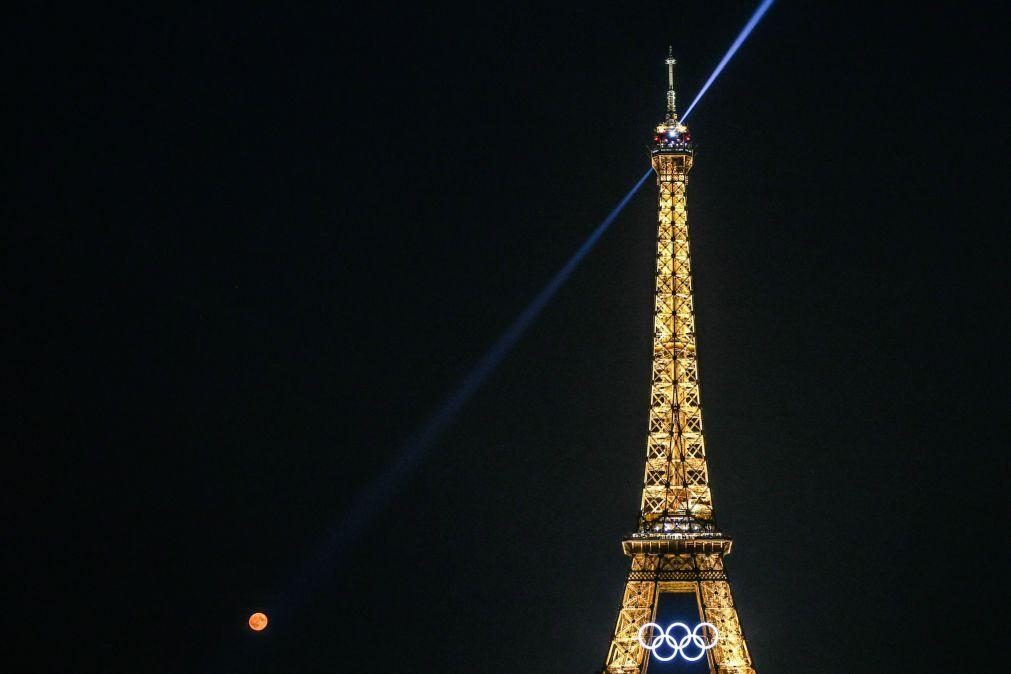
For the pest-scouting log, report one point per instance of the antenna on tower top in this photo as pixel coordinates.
(672, 114)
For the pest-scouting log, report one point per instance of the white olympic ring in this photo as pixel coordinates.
(691, 637)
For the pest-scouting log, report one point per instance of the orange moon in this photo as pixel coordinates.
(257, 622)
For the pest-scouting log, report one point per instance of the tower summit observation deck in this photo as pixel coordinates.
(671, 136)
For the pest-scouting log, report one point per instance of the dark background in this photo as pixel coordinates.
(253, 248)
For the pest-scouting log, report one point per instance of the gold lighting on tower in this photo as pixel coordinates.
(677, 547)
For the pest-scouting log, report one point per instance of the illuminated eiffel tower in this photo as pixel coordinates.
(677, 613)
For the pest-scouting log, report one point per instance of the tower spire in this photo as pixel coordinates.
(671, 134)
(672, 113)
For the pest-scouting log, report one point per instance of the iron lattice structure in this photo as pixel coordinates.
(677, 546)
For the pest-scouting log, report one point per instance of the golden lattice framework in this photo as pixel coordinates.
(677, 546)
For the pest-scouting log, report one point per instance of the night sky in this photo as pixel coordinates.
(252, 249)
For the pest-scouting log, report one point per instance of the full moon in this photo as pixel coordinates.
(257, 622)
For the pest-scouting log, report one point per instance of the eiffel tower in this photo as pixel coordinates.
(677, 612)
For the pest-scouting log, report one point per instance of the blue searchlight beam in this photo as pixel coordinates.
(369, 502)
(371, 498)
(745, 32)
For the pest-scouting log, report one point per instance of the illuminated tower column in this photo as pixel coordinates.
(677, 551)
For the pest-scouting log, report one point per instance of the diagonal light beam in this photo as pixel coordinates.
(370, 501)
(745, 32)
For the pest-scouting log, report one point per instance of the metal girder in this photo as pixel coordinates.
(677, 546)
(676, 482)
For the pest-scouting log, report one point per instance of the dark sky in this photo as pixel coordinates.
(253, 248)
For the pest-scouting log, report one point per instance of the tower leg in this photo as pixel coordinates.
(731, 652)
(701, 574)
(638, 603)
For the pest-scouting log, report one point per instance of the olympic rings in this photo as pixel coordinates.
(691, 637)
